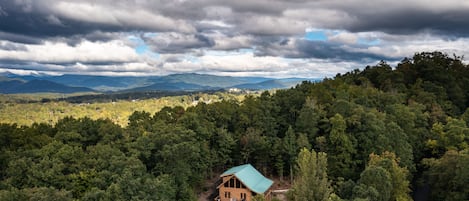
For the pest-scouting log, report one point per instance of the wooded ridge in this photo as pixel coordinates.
(381, 133)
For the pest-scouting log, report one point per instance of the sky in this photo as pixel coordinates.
(269, 38)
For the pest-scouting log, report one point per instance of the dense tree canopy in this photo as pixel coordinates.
(386, 131)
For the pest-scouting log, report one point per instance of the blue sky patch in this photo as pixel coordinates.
(140, 47)
(316, 36)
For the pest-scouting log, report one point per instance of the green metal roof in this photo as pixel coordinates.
(250, 177)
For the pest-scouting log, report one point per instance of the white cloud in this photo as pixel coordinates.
(344, 37)
(247, 64)
(85, 52)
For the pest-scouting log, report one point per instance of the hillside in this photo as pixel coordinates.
(381, 133)
(265, 85)
(173, 86)
(208, 80)
(37, 86)
(175, 82)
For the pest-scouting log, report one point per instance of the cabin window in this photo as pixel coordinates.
(226, 184)
(238, 184)
(227, 194)
(232, 183)
(243, 196)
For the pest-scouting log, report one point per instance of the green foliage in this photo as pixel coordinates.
(448, 175)
(311, 181)
(341, 149)
(291, 149)
(454, 135)
(399, 175)
(258, 197)
(383, 179)
(416, 115)
(377, 178)
(36, 194)
(308, 118)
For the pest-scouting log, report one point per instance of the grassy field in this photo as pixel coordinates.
(16, 109)
(35, 97)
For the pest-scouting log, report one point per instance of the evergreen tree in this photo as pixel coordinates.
(340, 149)
(311, 182)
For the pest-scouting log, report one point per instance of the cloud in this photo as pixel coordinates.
(267, 25)
(263, 17)
(446, 17)
(48, 18)
(10, 46)
(248, 64)
(344, 37)
(227, 42)
(263, 37)
(334, 51)
(85, 52)
(177, 43)
(119, 17)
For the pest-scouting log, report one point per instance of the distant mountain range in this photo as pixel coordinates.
(12, 83)
(14, 86)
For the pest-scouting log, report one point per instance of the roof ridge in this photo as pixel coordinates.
(250, 176)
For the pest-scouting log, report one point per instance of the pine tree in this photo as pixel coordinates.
(311, 183)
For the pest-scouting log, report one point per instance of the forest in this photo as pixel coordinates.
(382, 133)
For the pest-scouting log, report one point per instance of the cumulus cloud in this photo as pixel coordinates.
(344, 37)
(85, 52)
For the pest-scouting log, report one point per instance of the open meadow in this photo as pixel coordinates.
(26, 109)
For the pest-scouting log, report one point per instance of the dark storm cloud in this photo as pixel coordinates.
(403, 17)
(26, 20)
(275, 46)
(49, 19)
(412, 21)
(265, 7)
(19, 38)
(38, 18)
(178, 43)
(301, 48)
(96, 36)
(334, 51)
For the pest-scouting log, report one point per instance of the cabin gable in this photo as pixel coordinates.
(242, 183)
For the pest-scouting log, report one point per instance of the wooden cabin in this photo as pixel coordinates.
(242, 183)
